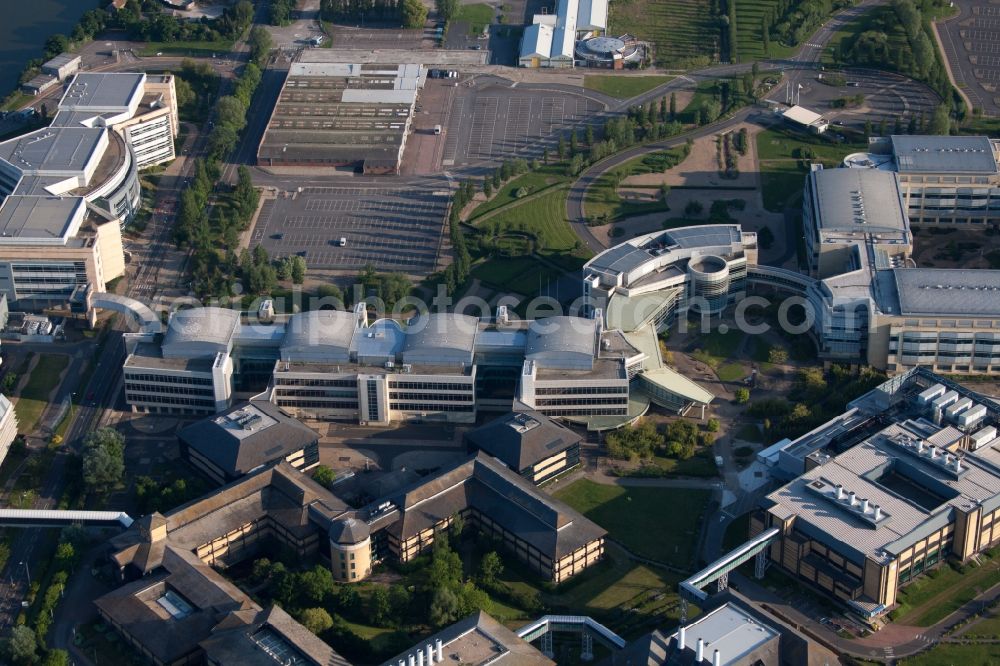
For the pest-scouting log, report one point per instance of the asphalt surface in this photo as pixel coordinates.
(970, 41)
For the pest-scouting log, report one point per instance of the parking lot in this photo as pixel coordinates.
(396, 227)
(886, 96)
(492, 121)
(971, 43)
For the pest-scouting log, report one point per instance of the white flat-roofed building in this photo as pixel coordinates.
(338, 365)
(62, 66)
(549, 42)
(945, 180)
(8, 426)
(805, 118)
(846, 207)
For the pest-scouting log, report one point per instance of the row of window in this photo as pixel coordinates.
(166, 390)
(549, 402)
(292, 381)
(582, 390)
(429, 407)
(431, 386)
(167, 379)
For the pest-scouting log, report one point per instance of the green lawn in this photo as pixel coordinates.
(929, 600)
(683, 31)
(623, 87)
(543, 220)
(749, 433)
(790, 144)
(626, 513)
(749, 37)
(952, 654)
(478, 16)
(737, 532)
(700, 464)
(988, 627)
(533, 181)
(218, 48)
(15, 101)
(781, 184)
(523, 275)
(35, 395)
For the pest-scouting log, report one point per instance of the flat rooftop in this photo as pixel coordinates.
(944, 154)
(860, 201)
(914, 492)
(730, 630)
(939, 291)
(102, 91)
(148, 355)
(28, 218)
(66, 150)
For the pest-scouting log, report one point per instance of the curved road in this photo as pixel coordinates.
(797, 67)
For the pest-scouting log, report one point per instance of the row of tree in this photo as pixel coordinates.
(147, 22)
(410, 13)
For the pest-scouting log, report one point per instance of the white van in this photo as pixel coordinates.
(437, 129)
(343, 242)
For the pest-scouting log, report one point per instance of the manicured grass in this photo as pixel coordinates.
(533, 181)
(623, 87)
(731, 372)
(988, 627)
(721, 345)
(781, 184)
(35, 395)
(696, 465)
(790, 144)
(519, 274)
(543, 220)
(478, 16)
(930, 599)
(626, 511)
(749, 36)
(682, 31)
(955, 654)
(218, 48)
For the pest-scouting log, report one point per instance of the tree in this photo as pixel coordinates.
(103, 459)
(633, 442)
(490, 568)
(316, 620)
(561, 150)
(940, 122)
(446, 9)
(445, 607)
(55, 45)
(381, 607)
(777, 355)
(712, 425)
(56, 658)
(260, 43)
(413, 14)
(673, 106)
(22, 645)
(742, 396)
(298, 270)
(588, 135)
(324, 475)
(765, 35)
(316, 584)
(399, 600)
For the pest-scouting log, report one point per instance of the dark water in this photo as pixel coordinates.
(24, 27)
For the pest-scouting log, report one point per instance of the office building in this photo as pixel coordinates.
(334, 115)
(906, 478)
(175, 605)
(8, 426)
(437, 367)
(529, 443)
(945, 180)
(551, 39)
(477, 640)
(227, 446)
(68, 188)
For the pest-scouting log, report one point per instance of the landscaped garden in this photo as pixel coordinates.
(684, 33)
(34, 397)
